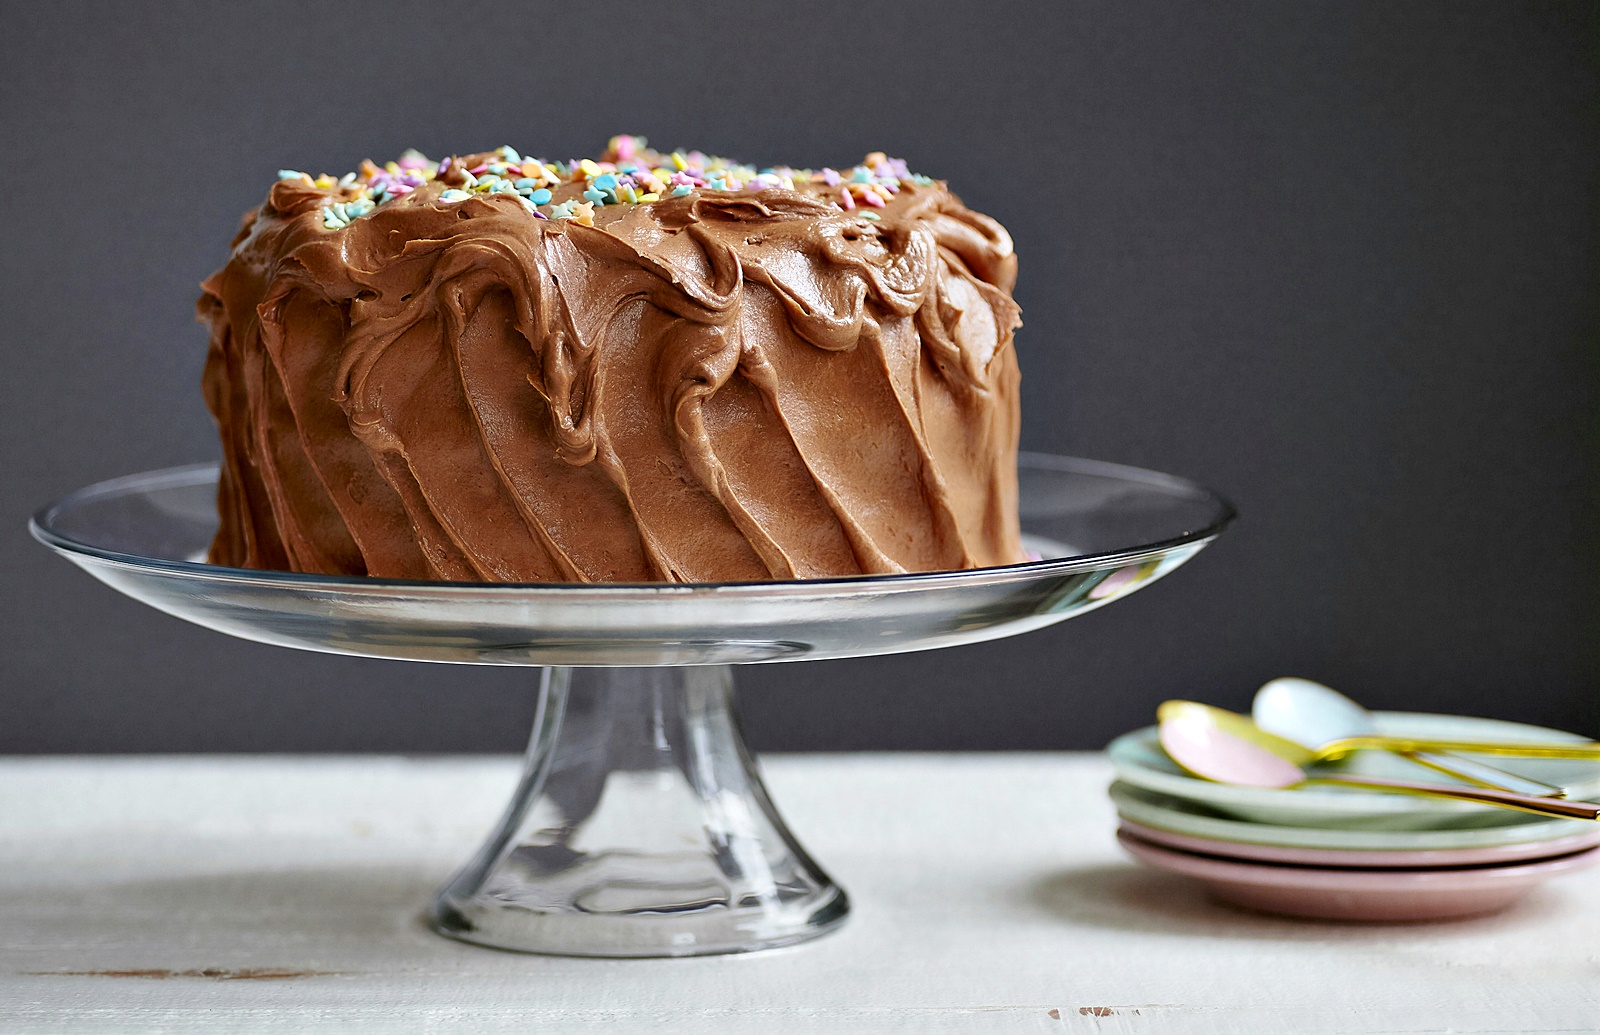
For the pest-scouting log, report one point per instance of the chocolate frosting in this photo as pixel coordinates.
(720, 386)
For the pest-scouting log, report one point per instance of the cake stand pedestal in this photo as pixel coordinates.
(640, 826)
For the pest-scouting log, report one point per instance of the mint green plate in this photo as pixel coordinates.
(1138, 760)
(1488, 830)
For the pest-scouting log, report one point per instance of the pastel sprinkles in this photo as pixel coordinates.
(629, 173)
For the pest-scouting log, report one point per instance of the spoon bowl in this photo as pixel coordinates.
(1209, 751)
(1308, 712)
(1236, 725)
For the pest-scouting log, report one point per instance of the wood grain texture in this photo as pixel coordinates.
(275, 894)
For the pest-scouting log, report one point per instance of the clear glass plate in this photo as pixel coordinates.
(641, 826)
(1102, 530)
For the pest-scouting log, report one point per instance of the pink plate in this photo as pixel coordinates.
(1367, 859)
(1351, 894)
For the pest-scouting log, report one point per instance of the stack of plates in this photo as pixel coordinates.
(1350, 854)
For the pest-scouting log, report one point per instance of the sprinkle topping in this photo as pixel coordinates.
(629, 173)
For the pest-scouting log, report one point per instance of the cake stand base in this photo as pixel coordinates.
(640, 827)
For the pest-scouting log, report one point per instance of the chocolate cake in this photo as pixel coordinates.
(650, 367)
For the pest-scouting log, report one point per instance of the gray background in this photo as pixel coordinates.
(1336, 260)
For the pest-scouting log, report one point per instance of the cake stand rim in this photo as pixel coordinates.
(1225, 513)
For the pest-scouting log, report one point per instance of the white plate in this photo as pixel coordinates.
(1139, 760)
(1492, 828)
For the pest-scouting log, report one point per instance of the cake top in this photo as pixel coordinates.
(629, 173)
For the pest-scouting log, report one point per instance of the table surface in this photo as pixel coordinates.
(283, 894)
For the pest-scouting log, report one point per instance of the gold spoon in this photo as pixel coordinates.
(1309, 713)
(1303, 755)
(1213, 752)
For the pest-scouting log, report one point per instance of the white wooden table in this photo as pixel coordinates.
(283, 895)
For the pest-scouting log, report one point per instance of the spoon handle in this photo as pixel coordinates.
(1526, 749)
(1483, 796)
(1481, 774)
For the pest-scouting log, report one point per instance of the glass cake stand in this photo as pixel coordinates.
(640, 826)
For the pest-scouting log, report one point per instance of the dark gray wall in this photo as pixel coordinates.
(1336, 260)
